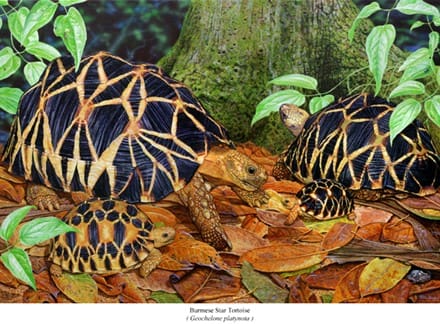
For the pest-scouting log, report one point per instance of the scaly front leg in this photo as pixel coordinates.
(197, 198)
(42, 197)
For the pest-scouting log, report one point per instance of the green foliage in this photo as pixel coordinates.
(27, 50)
(33, 232)
(418, 77)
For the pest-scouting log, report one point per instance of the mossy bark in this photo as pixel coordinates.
(229, 50)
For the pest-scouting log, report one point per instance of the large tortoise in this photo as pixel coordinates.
(115, 129)
(348, 143)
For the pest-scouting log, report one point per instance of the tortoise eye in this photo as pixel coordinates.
(165, 235)
(251, 169)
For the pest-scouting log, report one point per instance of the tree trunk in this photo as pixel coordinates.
(228, 51)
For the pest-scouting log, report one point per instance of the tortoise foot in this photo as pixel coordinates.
(43, 198)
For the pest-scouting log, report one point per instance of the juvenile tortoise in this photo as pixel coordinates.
(130, 132)
(348, 142)
(111, 236)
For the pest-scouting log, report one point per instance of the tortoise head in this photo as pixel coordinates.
(162, 236)
(293, 118)
(226, 166)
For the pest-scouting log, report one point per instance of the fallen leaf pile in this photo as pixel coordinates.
(382, 255)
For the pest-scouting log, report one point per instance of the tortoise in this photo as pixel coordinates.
(111, 236)
(130, 132)
(348, 142)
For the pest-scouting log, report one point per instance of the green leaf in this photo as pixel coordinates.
(42, 229)
(32, 71)
(66, 3)
(297, 80)
(433, 42)
(165, 297)
(419, 71)
(11, 221)
(3, 2)
(9, 62)
(365, 12)
(261, 286)
(417, 7)
(436, 21)
(16, 21)
(318, 103)
(273, 102)
(40, 14)
(9, 99)
(437, 75)
(417, 24)
(403, 115)
(72, 30)
(408, 88)
(18, 263)
(418, 57)
(378, 45)
(42, 51)
(1, 23)
(432, 108)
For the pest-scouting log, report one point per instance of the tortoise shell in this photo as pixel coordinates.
(112, 236)
(349, 142)
(110, 129)
(324, 199)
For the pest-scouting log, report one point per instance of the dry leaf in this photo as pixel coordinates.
(367, 215)
(329, 276)
(300, 292)
(45, 282)
(12, 192)
(283, 186)
(158, 214)
(381, 275)
(262, 287)
(371, 231)
(7, 278)
(347, 289)
(426, 265)
(284, 257)
(5, 175)
(205, 284)
(243, 240)
(131, 293)
(38, 297)
(110, 289)
(293, 235)
(254, 225)
(157, 280)
(185, 250)
(398, 231)
(80, 288)
(426, 287)
(339, 235)
(429, 297)
(398, 294)
(273, 218)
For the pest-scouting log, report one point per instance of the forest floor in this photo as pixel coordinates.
(380, 256)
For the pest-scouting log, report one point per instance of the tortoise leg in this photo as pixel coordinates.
(280, 170)
(150, 263)
(42, 197)
(197, 198)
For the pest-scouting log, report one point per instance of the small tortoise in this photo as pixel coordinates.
(348, 142)
(111, 236)
(130, 132)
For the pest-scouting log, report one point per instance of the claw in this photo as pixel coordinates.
(43, 197)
